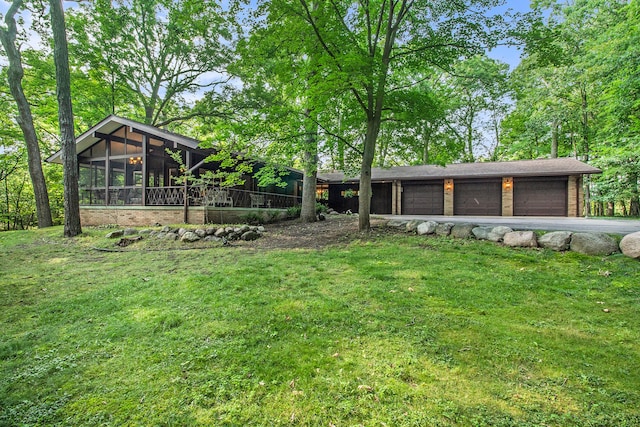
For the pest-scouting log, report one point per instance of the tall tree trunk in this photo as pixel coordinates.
(25, 119)
(365, 193)
(585, 148)
(555, 130)
(65, 118)
(308, 211)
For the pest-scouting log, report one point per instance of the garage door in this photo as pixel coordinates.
(423, 198)
(381, 198)
(477, 197)
(540, 196)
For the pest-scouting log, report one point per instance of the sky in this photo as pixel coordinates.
(510, 54)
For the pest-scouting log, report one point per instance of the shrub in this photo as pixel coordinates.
(294, 211)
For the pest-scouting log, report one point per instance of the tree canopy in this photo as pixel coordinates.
(346, 85)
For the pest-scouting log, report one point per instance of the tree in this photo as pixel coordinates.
(154, 53)
(367, 44)
(72, 225)
(25, 119)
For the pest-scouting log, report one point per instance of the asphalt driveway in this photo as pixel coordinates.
(594, 225)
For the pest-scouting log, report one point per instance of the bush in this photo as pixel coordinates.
(320, 208)
(294, 211)
(252, 218)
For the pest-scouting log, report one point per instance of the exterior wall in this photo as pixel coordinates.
(507, 196)
(448, 197)
(575, 197)
(396, 198)
(138, 216)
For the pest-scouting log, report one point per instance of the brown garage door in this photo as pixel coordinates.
(477, 197)
(540, 196)
(423, 198)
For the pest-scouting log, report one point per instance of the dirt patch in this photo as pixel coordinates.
(335, 230)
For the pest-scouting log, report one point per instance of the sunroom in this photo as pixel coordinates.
(127, 165)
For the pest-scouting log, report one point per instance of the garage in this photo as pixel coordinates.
(480, 197)
(537, 196)
(423, 198)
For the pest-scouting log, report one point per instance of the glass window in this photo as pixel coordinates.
(117, 148)
(84, 176)
(116, 172)
(97, 173)
(99, 150)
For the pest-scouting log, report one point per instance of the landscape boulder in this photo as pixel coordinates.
(397, 223)
(462, 231)
(201, 233)
(250, 235)
(114, 234)
(182, 231)
(521, 239)
(497, 233)
(556, 240)
(169, 236)
(412, 226)
(189, 236)
(221, 232)
(130, 231)
(593, 244)
(630, 245)
(428, 227)
(481, 233)
(444, 228)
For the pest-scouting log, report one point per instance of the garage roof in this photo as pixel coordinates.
(518, 168)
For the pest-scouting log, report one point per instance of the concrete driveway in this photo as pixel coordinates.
(609, 226)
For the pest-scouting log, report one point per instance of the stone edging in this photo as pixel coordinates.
(599, 244)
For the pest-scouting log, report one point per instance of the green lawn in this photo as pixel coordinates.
(394, 330)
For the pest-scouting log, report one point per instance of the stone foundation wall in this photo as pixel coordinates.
(138, 216)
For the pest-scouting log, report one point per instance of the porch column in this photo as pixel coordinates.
(507, 196)
(145, 176)
(574, 196)
(448, 197)
(396, 198)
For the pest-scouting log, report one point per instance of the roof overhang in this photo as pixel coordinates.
(112, 123)
(518, 168)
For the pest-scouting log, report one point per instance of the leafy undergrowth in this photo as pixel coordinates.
(389, 330)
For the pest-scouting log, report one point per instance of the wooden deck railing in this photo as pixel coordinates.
(197, 196)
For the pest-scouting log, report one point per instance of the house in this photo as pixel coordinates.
(127, 177)
(544, 187)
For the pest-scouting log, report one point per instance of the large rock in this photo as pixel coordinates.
(444, 228)
(397, 223)
(130, 231)
(521, 239)
(201, 233)
(428, 227)
(497, 233)
(593, 244)
(462, 231)
(412, 226)
(221, 232)
(481, 233)
(169, 236)
(189, 236)
(250, 235)
(630, 245)
(556, 240)
(114, 234)
(182, 231)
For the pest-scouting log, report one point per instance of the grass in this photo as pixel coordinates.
(393, 330)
